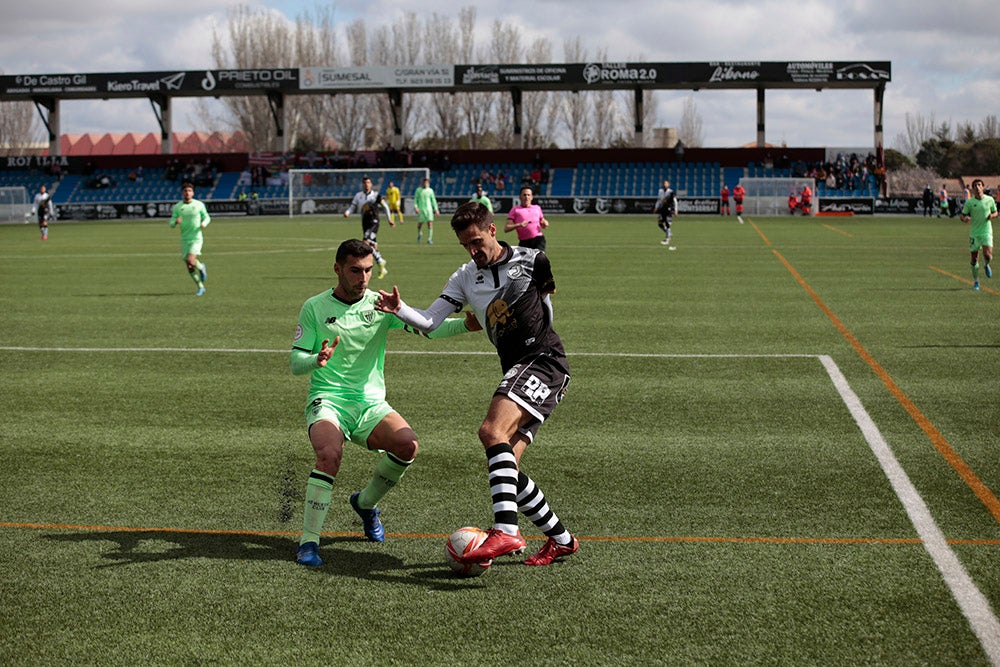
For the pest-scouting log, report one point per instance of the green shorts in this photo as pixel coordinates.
(191, 247)
(977, 242)
(357, 420)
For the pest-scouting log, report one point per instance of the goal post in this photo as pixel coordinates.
(14, 204)
(314, 190)
(769, 196)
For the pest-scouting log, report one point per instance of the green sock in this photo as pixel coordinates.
(430, 233)
(196, 277)
(388, 471)
(319, 490)
(975, 271)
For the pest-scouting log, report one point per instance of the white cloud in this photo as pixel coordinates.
(942, 63)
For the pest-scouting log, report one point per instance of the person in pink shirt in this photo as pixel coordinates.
(528, 221)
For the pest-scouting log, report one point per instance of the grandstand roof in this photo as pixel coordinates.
(136, 143)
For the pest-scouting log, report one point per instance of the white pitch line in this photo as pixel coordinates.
(974, 605)
(230, 350)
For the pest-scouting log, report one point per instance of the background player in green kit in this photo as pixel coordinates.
(426, 206)
(979, 209)
(347, 392)
(193, 217)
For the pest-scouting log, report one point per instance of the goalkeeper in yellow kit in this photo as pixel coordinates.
(395, 201)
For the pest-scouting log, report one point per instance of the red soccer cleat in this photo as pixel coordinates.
(552, 550)
(497, 543)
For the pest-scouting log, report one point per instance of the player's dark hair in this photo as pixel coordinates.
(977, 180)
(187, 184)
(352, 248)
(471, 213)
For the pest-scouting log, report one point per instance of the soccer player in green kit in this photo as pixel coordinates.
(426, 206)
(979, 209)
(347, 392)
(193, 217)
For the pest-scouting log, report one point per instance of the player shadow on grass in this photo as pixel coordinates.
(138, 547)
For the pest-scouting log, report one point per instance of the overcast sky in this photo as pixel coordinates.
(943, 55)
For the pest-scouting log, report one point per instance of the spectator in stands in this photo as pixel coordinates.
(739, 192)
(928, 200)
(481, 197)
(43, 209)
(806, 199)
(528, 220)
(679, 151)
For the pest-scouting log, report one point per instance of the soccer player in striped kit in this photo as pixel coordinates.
(508, 289)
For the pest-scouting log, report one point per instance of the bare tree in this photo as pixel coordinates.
(609, 122)
(574, 114)
(505, 47)
(316, 45)
(918, 130)
(989, 128)
(689, 129)
(476, 108)
(19, 128)
(257, 39)
(351, 112)
(443, 44)
(535, 104)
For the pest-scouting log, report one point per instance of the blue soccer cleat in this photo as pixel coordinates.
(200, 292)
(975, 285)
(370, 519)
(204, 272)
(989, 271)
(308, 554)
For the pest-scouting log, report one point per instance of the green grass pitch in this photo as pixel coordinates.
(731, 510)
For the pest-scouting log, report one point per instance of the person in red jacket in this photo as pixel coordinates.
(724, 195)
(738, 193)
(793, 202)
(807, 198)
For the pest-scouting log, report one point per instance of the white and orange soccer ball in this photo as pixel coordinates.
(462, 541)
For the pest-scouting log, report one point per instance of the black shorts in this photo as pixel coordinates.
(537, 385)
(538, 243)
(369, 232)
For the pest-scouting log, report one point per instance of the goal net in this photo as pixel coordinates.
(313, 191)
(769, 196)
(14, 204)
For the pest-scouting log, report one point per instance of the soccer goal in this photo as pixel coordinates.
(14, 204)
(769, 196)
(324, 190)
